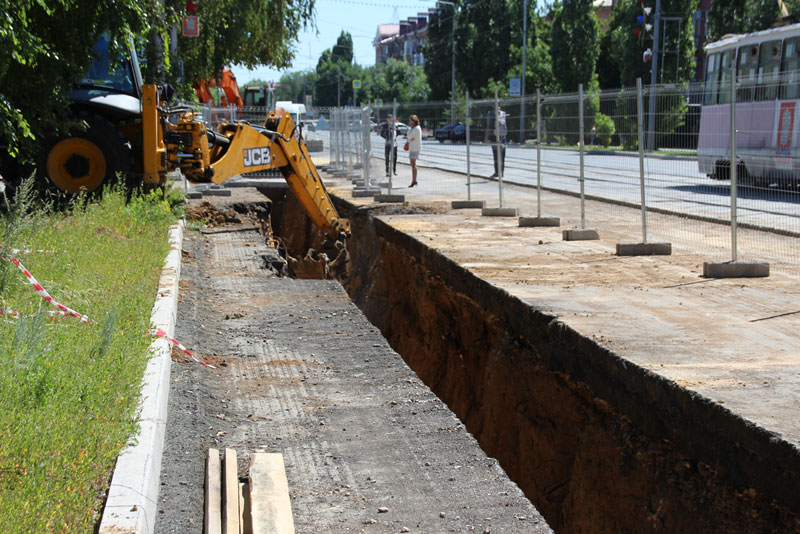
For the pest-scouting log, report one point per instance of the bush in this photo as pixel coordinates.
(605, 129)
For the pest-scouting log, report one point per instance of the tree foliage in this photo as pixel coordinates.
(575, 46)
(44, 47)
(293, 86)
(438, 52)
(397, 79)
(744, 16)
(239, 32)
(335, 72)
(483, 43)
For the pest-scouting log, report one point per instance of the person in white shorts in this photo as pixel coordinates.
(414, 146)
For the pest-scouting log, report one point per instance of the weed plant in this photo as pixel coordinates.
(69, 390)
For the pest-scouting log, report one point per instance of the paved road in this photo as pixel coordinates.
(672, 183)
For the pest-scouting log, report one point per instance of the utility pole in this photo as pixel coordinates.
(651, 114)
(524, 57)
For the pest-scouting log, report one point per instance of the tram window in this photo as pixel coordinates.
(712, 80)
(769, 66)
(746, 68)
(790, 70)
(725, 70)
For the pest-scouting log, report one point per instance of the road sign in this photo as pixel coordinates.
(308, 101)
(514, 87)
(191, 26)
(356, 84)
(378, 101)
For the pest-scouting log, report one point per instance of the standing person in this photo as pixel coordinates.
(495, 132)
(414, 146)
(389, 132)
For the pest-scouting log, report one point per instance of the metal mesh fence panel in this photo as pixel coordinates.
(681, 166)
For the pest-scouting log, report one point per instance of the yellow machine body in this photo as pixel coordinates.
(236, 149)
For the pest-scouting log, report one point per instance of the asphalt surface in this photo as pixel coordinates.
(672, 182)
(300, 371)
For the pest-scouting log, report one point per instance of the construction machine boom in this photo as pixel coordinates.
(184, 142)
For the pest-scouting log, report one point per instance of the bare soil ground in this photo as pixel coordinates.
(300, 371)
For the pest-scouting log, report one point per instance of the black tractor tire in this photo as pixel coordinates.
(86, 160)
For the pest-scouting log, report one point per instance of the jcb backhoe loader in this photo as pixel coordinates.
(132, 131)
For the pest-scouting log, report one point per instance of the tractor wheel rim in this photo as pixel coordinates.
(76, 164)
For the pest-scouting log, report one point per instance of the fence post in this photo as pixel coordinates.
(538, 153)
(733, 167)
(340, 136)
(644, 248)
(734, 268)
(393, 150)
(366, 147)
(469, 175)
(580, 153)
(582, 233)
(640, 131)
(497, 145)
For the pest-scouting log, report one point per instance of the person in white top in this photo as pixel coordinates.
(414, 146)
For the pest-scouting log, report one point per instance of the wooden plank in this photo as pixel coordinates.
(213, 520)
(271, 510)
(230, 493)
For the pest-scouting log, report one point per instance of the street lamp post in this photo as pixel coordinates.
(453, 67)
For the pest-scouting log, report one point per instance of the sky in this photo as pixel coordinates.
(359, 17)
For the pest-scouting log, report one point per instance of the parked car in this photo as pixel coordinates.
(456, 133)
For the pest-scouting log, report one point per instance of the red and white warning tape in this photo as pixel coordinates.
(63, 310)
(161, 333)
(44, 294)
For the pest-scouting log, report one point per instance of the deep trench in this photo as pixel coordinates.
(598, 444)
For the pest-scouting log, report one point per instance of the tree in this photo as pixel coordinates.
(676, 60)
(44, 47)
(238, 32)
(438, 52)
(293, 86)
(484, 40)
(394, 79)
(575, 44)
(742, 16)
(335, 72)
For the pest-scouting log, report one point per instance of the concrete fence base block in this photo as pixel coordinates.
(464, 204)
(194, 194)
(500, 212)
(217, 192)
(390, 198)
(539, 221)
(735, 269)
(384, 185)
(580, 234)
(644, 249)
(339, 174)
(363, 193)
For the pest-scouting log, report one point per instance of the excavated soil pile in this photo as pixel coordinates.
(599, 445)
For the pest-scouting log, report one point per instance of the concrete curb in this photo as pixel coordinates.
(133, 495)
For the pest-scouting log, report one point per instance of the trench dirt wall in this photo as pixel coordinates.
(596, 443)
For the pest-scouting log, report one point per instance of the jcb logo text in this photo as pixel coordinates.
(256, 156)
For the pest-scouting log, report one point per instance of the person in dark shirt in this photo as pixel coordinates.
(495, 132)
(389, 132)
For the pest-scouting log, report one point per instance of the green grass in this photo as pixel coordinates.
(68, 390)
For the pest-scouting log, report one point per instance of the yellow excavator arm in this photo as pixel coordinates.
(238, 148)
